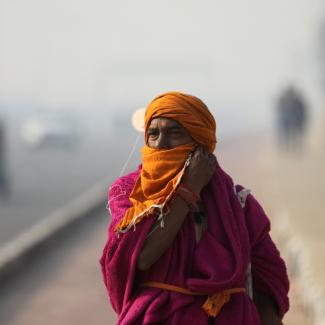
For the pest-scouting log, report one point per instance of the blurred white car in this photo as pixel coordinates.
(46, 130)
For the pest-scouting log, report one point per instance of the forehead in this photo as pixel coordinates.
(163, 122)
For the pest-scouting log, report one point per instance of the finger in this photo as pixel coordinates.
(199, 151)
(212, 156)
(204, 150)
(195, 155)
(195, 148)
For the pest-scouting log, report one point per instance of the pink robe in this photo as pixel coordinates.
(235, 237)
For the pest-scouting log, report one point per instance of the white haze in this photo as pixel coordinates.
(114, 56)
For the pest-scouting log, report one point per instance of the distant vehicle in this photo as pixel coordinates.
(50, 130)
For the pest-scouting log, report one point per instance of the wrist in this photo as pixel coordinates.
(188, 195)
(194, 186)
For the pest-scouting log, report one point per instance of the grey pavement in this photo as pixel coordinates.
(287, 185)
(290, 187)
(62, 285)
(297, 186)
(45, 179)
(65, 285)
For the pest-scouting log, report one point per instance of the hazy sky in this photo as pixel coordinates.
(78, 53)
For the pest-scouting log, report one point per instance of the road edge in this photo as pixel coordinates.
(25, 245)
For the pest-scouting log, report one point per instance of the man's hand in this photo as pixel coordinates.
(200, 170)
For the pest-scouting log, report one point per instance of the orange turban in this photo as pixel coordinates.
(163, 169)
(187, 110)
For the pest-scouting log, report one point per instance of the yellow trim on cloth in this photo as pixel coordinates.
(214, 303)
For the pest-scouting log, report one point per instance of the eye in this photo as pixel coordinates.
(153, 133)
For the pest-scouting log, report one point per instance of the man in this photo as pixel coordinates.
(183, 240)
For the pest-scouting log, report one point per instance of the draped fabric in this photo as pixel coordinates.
(234, 238)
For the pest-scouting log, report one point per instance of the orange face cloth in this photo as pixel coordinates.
(162, 169)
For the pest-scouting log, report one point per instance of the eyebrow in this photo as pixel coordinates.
(169, 128)
(176, 126)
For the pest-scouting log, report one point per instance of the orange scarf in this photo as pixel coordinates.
(162, 169)
(161, 172)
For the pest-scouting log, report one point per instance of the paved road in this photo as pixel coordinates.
(44, 180)
(275, 179)
(65, 286)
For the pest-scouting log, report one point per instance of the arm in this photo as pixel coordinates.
(198, 174)
(270, 279)
(158, 242)
(267, 308)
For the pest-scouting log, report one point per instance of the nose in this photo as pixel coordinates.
(162, 142)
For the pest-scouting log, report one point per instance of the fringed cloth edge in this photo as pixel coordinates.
(158, 209)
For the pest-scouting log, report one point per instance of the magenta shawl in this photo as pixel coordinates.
(235, 237)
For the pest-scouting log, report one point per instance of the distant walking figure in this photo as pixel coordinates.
(186, 245)
(291, 119)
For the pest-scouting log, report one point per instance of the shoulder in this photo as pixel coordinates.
(124, 184)
(247, 199)
(119, 193)
(257, 222)
(242, 193)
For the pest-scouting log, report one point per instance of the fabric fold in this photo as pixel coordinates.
(235, 237)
